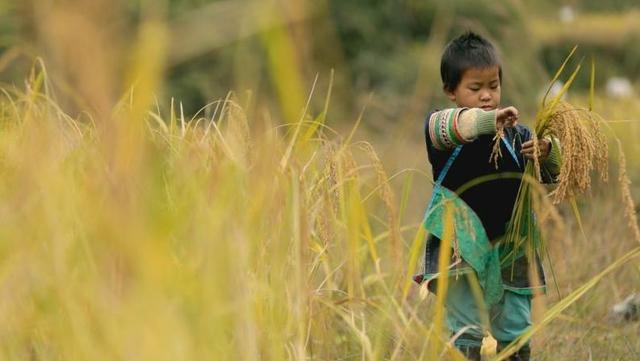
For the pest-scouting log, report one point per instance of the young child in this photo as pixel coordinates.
(459, 145)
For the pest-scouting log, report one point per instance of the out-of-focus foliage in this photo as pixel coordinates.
(387, 42)
(390, 48)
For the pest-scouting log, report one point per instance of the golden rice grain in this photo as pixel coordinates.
(584, 148)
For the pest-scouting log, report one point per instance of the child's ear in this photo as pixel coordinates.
(451, 95)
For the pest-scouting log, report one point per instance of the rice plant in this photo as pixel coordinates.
(215, 236)
(579, 133)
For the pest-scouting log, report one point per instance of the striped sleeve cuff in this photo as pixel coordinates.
(452, 127)
(443, 129)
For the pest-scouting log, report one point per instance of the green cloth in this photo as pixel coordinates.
(494, 265)
(472, 240)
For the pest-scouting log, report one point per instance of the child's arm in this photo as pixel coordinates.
(549, 155)
(452, 127)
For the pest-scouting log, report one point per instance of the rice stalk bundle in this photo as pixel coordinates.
(577, 135)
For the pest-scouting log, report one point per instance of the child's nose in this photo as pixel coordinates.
(485, 96)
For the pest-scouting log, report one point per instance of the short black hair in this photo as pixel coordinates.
(468, 50)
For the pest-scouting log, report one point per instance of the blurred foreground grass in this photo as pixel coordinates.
(217, 237)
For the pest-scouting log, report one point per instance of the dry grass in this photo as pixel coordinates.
(219, 237)
(206, 245)
(496, 151)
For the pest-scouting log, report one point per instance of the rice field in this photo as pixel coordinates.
(131, 229)
(216, 237)
(224, 237)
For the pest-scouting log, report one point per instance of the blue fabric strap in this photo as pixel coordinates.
(511, 151)
(443, 173)
(448, 165)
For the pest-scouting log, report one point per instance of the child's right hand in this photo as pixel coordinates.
(506, 117)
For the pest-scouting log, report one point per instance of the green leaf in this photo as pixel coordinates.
(592, 83)
(555, 77)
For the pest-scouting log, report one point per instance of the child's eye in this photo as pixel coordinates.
(475, 89)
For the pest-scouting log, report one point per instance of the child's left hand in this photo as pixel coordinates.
(544, 147)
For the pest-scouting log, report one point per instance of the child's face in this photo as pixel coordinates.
(478, 88)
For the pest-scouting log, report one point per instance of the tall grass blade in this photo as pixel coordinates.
(557, 75)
